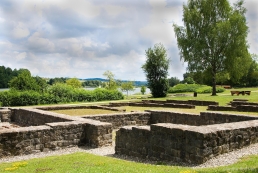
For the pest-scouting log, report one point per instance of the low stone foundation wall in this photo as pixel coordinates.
(162, 104)
(122, 119)
(189, 104)
(5, 115)
(194, 102)
(50, 108)
(205, 118)
(221, 108)
(247, 108)
(170, 135)
(240, 105)
(35, 117)
(193, 144)
(46, 131)
(53, 136)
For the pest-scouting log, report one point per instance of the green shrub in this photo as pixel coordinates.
(58, 93)
(181, 88)
(208, 89)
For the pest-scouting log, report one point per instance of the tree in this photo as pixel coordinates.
(189, 80)
(74, 82)
(143, 89)
(111, 84)
(214, 37)
(42, 83)
(251, 78)
(173, 81)
(156, 70)
(127, 86)
(53, 81)
(24, 81)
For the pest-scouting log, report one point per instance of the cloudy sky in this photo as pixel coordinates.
(85, 38)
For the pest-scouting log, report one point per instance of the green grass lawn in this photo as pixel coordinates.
(83, 162)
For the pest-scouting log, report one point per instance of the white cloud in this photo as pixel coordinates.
(20, 31)
(2, 20)
(21, 56)
(114, 10)
(87, 37)
(38, 43)
(160, 27)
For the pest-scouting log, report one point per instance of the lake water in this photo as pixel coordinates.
(135, 91)
(4, 89)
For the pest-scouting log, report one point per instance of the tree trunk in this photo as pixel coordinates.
(213, 83)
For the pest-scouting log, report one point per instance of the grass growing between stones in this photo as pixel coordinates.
(84, 162)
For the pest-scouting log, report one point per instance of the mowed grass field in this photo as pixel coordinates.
(84, 162)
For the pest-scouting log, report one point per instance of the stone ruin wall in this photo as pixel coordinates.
(123, 119)
(192, 144)
(40, 134)
(161, 135)
(104, 107)
(205, 118)
(240, 105)
(5, 115)
(188, 104)
(187, 137)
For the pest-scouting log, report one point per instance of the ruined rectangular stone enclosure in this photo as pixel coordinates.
(156, 135)
(187, 137)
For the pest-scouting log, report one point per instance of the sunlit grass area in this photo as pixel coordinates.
(83, 162)
(77, 112)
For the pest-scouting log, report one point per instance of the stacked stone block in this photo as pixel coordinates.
(5, 115)
(192, 144)
(122, 119)
(46, 131)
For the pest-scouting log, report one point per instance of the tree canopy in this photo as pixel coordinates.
(24, 82)
(156, 70)
(6, 74)
(111, 84)
(74, 82)
(214, 37)
(127, 86)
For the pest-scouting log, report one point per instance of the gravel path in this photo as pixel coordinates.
(221, 160)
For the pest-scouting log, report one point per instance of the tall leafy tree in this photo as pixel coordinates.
(214, 37)
(42, 84)
(173, 81)
(24, 81)
(111, 84)
(127, 86)
(74, 82)
(156, 70)
(143, 89)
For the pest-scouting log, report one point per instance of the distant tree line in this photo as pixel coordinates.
(91, 83)
(6, 74)
(26, 89)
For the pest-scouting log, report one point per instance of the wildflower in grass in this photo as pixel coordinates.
(11, 168)
(20, 164)
(188, 171)
(16, 166)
